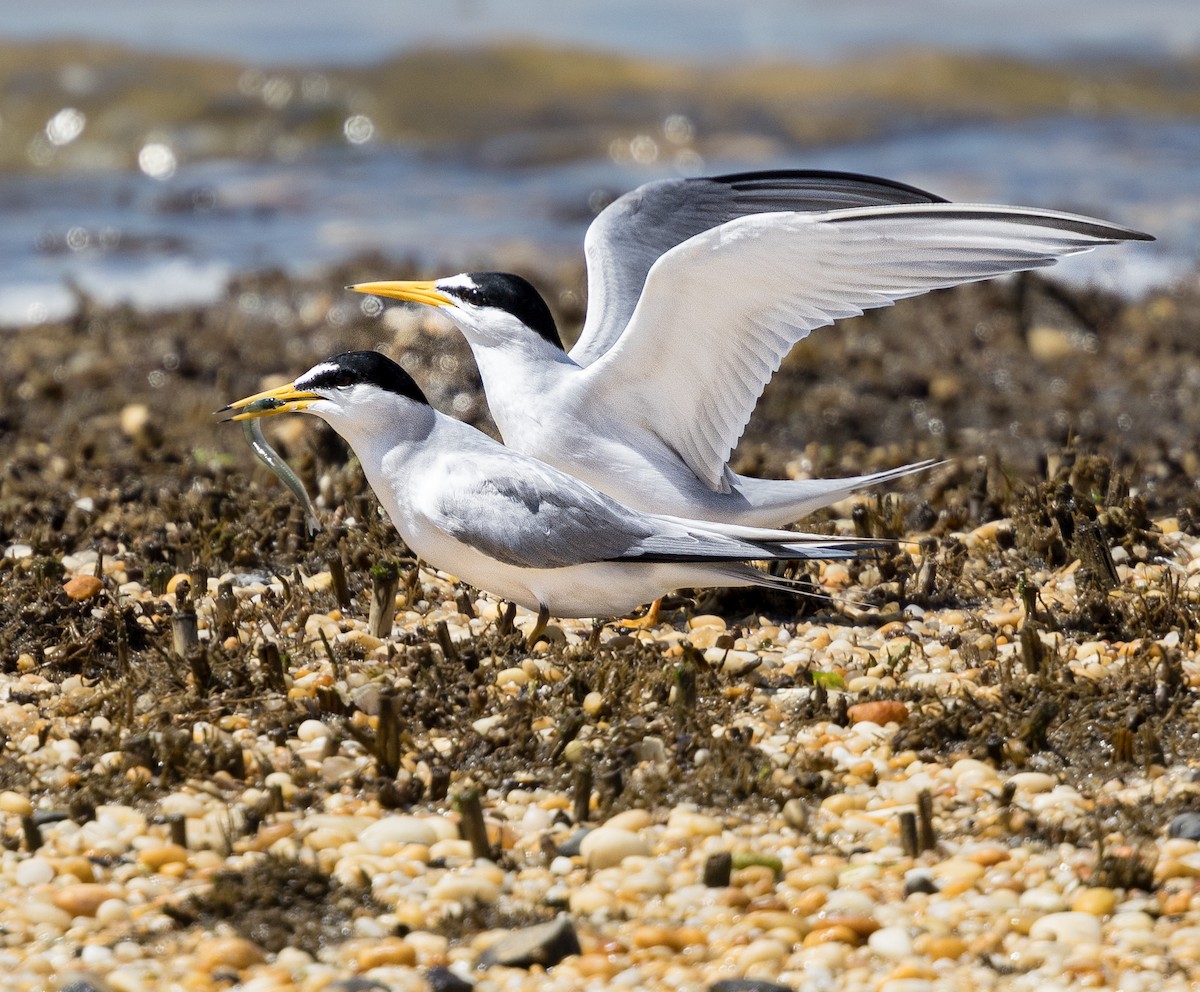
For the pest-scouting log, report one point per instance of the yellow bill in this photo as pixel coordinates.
(416, 291)
(268, 403)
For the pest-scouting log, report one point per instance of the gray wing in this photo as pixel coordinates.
(628, 236)
(522, 512)
(721, 310)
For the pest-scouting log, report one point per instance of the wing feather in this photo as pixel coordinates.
(521, 512)
(524, 513)
(721, 310)
(628, 236)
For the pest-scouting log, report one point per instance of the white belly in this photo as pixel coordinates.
(597, 589)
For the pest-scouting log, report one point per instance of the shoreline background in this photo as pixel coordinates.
(151, 159)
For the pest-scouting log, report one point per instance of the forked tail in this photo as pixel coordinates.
(776, 502)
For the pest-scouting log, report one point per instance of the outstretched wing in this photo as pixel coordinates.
(628, 236)
(719, 312)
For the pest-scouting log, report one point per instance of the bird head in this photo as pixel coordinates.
(491, 308)
(357, 393)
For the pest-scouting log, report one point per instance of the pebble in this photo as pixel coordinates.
(812, 894)
(693, 824)
(607, 846)
(156, 857)
(839, 933)
(1096, 901)
(136, 419)
(892, 943)
(442, 979)
(1185, 825)
(34, 871)
(882, 712)
(391, 832)
(311, 730)
(862, 926)
(15, 803)
(949, 947)
(765, 950)
(1045, 898)
(466, 887)
(113, 911)
(906, 985)
(658, 936)
(1032, 782)
(82, 898)
(81, 587)
(589, 899)
(227, 953)
(630, 819)
(545, 944)
(382, 953)
(1047, 343)
(1071, 928)
(1184, 945)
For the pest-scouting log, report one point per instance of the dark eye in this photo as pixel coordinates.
(342, 378)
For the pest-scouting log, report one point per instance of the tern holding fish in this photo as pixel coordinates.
(510, 524)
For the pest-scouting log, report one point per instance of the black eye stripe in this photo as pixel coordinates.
(336, 379)
(512, 293)
(368, 368)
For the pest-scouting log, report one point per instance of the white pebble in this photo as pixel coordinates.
(112, 911)
(1032, 782)
(588, 899)
(605, 847)
(96, 954)
(1184, 945)
(311, 730)
(646, 883)
(1067, 928)
(892, 943)
(396, 830)
(1044, 898)
(464, 887)
(34, 871)
(763, 950)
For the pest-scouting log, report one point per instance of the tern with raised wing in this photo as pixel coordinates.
(697, 289)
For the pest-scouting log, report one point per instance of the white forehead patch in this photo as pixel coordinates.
(317, 370)
(460, 281)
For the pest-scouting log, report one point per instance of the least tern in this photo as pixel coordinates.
(697, 290)
(509, 524)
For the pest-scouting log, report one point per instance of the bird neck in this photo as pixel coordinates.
(394, 422)
(520, 364)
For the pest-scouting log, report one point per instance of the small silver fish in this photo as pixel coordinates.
(253, 431)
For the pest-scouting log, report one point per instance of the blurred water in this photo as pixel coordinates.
(156, 243)
(176, 239)
(305, 31)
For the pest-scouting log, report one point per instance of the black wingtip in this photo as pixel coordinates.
(904, 192)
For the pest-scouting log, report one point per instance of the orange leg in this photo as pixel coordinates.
(646, 621)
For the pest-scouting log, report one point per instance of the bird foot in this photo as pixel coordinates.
(646, 621)
(539, 628)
